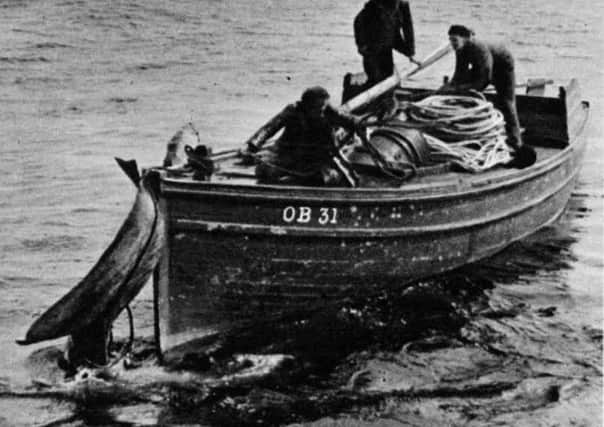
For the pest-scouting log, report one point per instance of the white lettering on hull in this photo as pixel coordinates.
(306, 215)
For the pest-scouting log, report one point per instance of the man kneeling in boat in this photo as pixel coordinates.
(478, 64)
(306, 151)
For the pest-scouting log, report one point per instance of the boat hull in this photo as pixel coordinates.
(237, 253)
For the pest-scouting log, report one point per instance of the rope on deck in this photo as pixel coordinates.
(466, 130)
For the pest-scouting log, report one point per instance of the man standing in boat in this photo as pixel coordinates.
(383, 25)
(478, 64)
(306, 151)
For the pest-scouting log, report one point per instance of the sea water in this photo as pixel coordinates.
(82, 81)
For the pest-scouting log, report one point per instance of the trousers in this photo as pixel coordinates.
(505, 86)
(378, 66)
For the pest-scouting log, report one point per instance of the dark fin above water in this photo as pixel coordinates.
(117, 277)
(130, 168)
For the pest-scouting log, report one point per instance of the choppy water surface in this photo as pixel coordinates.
(515, 340)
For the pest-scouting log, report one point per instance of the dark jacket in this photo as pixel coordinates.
(478, 64)
(303, 140)
(378, 28)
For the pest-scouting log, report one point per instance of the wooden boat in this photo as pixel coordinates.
(238, 250)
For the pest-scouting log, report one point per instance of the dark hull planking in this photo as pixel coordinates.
(244, 251)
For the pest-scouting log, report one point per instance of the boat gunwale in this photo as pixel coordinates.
(478, 184)
(448, 227)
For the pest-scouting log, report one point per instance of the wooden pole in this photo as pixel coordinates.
(372, 93)
(430, 59)
(393, 81)
(266, 131)
(272, 126)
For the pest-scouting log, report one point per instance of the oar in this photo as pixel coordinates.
(393, 81)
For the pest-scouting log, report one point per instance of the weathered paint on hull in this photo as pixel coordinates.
(223, 273)
(239, 250)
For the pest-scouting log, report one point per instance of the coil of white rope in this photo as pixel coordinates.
(464, 129)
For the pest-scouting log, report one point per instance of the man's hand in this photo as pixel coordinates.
(371, 121)
(524, 156)
(360, 128)
(447, 89)
(248, 155)
(363, 50)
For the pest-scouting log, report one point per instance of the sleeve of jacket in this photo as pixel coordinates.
(473, 68)
(460, 75)
(482, 67)
(270, 128)
(405, 44)
(360, 37)
(339, 118)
